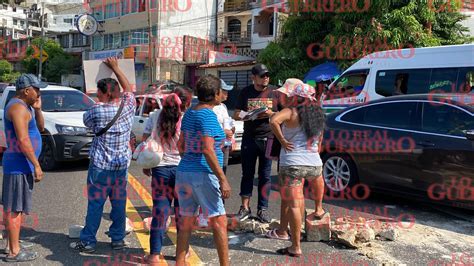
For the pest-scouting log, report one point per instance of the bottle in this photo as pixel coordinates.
(228, 125)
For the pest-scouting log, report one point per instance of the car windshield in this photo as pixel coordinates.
(65, 101)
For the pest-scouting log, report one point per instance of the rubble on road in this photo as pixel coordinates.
(318, 229)
(353, 232)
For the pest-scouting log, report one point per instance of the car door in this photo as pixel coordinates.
(149, 104)
(138, 122)
(445, 163)
(380, 142)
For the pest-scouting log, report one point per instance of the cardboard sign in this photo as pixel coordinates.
(95, 70)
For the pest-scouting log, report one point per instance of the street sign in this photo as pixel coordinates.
(36, 54)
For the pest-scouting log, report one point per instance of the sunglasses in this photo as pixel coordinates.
(266, 75)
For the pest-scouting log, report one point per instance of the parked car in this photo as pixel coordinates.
(146, 104)
(65, 138)
(417, 145)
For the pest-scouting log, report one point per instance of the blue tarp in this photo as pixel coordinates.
(323, 72)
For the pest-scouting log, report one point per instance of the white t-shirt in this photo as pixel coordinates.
(221, 113)
(171, 155)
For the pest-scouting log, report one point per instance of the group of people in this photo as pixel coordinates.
(191, 175)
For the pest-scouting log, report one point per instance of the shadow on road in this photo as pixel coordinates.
(57, 246)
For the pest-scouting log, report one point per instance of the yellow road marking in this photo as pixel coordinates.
(141, 233)
(172, 234)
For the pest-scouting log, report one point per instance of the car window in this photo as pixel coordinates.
(9, 96)
(348, 85)
(394, 115)
(466, 80)
(445, 119)
(355, 115)
(443, 79)
(2, 87)
(139, 105)
(150, 105)
(402, 81)
(65, 101)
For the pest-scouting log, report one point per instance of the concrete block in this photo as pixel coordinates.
(347, 237)
(389, 233)
(365, 235)
(318, 230)
(260, 229)
(75, 231)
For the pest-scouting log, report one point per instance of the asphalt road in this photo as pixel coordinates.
(429, 234)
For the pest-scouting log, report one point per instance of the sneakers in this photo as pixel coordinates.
(119, 245)
(243, 214)
(263, 216)
(81, 247)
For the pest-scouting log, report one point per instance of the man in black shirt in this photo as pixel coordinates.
(254, 140)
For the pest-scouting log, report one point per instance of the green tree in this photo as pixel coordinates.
(345, 34)
(58, 63)
(6, 72)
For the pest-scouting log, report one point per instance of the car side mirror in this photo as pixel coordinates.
(470, 134)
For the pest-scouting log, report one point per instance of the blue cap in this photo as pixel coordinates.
(27, 80)
(226, 87)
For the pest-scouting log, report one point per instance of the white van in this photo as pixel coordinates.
(404, 71)
(66, 138)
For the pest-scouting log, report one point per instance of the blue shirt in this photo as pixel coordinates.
(14, 161)
(111, 151)
(195, 125)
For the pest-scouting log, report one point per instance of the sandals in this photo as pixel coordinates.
(273, 235)
(23, 245)
(148, 259)
(319, 217)
(286, 252)
(22, 256)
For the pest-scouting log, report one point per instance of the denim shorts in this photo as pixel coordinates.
(294, 175)
(196, 189)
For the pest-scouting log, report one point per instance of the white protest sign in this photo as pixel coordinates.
(95, 70)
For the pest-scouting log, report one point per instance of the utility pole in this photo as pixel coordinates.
(216, 39)
(151, 54)
(41, 44)
(27, 12)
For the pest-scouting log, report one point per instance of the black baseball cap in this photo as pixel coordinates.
(259, 69)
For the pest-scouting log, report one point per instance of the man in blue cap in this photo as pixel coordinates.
(23, 123)
(227, 123)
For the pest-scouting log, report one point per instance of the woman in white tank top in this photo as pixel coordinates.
(299, 128)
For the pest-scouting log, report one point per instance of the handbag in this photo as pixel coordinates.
(149, 153)
(273, 148)
(272, 151)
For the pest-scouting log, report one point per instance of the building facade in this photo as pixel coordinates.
(161, 33)
(245, 27)
(19, 24)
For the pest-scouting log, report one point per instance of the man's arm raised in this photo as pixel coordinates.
(112, 62)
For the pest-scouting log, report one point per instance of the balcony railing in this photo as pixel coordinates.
(235, 37)
(230, 6)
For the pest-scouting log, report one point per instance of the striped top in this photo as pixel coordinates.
(195, 125)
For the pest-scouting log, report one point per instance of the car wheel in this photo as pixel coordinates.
(339, 172)
(46, 158)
